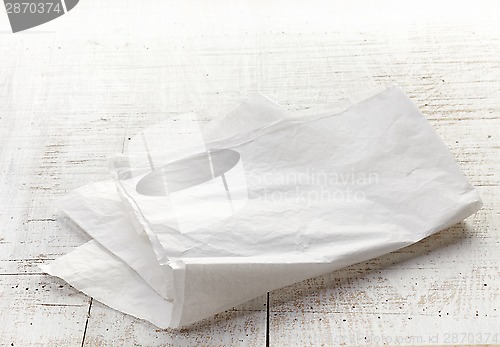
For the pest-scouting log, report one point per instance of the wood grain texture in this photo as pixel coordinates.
(74, 90)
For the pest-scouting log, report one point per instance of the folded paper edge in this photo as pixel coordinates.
(83, 269)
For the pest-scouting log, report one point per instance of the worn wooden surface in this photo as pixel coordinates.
(72, 91)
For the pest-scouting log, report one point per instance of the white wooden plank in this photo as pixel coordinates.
(38, 310)
(242, 326)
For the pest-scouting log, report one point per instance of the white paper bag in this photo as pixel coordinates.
(210, 222)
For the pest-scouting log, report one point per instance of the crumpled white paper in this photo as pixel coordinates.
(258, 200)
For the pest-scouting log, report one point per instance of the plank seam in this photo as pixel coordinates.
(87, 322)
(267, 320)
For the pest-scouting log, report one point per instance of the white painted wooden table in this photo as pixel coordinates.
(72, 91)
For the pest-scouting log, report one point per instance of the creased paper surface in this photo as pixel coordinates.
(261, 199)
